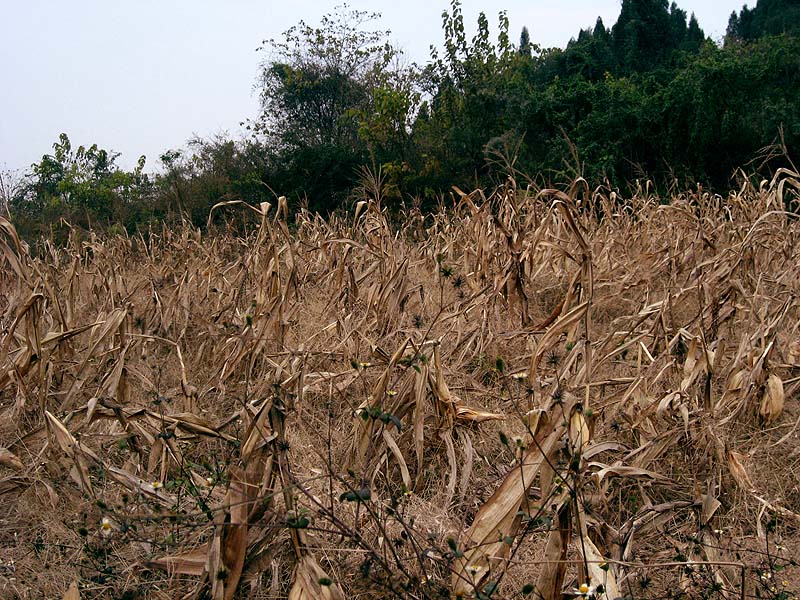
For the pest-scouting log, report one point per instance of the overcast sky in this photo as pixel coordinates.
(140, 77)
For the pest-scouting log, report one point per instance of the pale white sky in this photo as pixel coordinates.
(139, 77)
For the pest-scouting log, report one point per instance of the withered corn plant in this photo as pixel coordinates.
(534, 393)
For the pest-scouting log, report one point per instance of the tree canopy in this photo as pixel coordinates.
(648, 97)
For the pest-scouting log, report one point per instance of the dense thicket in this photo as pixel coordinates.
(650, 97)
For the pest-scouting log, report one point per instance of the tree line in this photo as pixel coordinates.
(650, 97)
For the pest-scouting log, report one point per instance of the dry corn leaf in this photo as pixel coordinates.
(600, 571)
(72, 592)
(228, 548)
(564, 322)
(483, 543)
(14, 255)
(259, 432)
(738, 471)
(699, 360)
(772, 401)
(365, 430)
(579, 434)
(626, 471)
(395, 450)
(186, 563)
(472, 415)
(420, 394)
(139, 486)
(550, 581)
(10, 460)
(68, 444)
(311, 582)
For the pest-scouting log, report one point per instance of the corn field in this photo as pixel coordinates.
(530, 394)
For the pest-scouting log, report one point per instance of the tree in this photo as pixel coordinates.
(525, 43)
(82, 186)
(648, 32)
(472, 87)
(12, 185)
(333, 97)
(768, 17)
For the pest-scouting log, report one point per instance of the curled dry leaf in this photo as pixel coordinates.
(10, 460)
(72, 592)
(793, 357)
(311, 582)
(699, 360)
(483, 543)
(472, 415)
(772, 401)
(738, 471)
(626, 471)
(579, 433)
(600, 572)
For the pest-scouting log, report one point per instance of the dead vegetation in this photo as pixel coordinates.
(534, 394)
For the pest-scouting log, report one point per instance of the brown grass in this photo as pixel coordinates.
(524, 394)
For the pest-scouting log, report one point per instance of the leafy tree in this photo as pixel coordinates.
(768, 17)
(82, 186)
(11, 185)
(472, 87)
(729, 103)
(333, 97)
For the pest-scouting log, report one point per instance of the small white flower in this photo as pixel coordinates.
(585, 590)
(210, 480)
(105, 526)
(519, 376)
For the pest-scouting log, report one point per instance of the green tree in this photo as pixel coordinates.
(82, 186)
(525, 43)
(473, 87)
(333, 97)
(648, 32)
(728, 104)
(768, 17)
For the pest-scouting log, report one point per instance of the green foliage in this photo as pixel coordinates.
(82, 186)
(649, 32)
(767, 18)
(649, 97)
(333, 98)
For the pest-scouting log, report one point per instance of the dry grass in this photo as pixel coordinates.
(527, 393)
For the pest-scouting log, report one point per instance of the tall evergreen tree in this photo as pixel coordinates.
(768, 17)
(525, 42)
